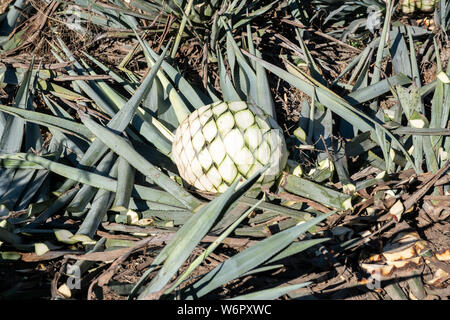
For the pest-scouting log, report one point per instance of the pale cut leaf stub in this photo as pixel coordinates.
(225, 141)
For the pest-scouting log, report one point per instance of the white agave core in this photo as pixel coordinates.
(224, 141)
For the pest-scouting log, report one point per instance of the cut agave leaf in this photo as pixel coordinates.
(41, 248)
(120, 121)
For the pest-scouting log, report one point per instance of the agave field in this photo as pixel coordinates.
(252, 150)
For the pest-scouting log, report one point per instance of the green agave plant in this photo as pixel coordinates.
(355, 16)
(109, 181)
(193, 19)
(101, 161)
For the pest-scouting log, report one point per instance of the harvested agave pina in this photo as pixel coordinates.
(224, 141)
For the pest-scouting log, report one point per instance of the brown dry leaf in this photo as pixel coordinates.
(108, 235)
(400, 253)
(106, 276)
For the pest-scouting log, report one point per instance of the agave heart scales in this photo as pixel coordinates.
(224, 141)
(412, 6)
